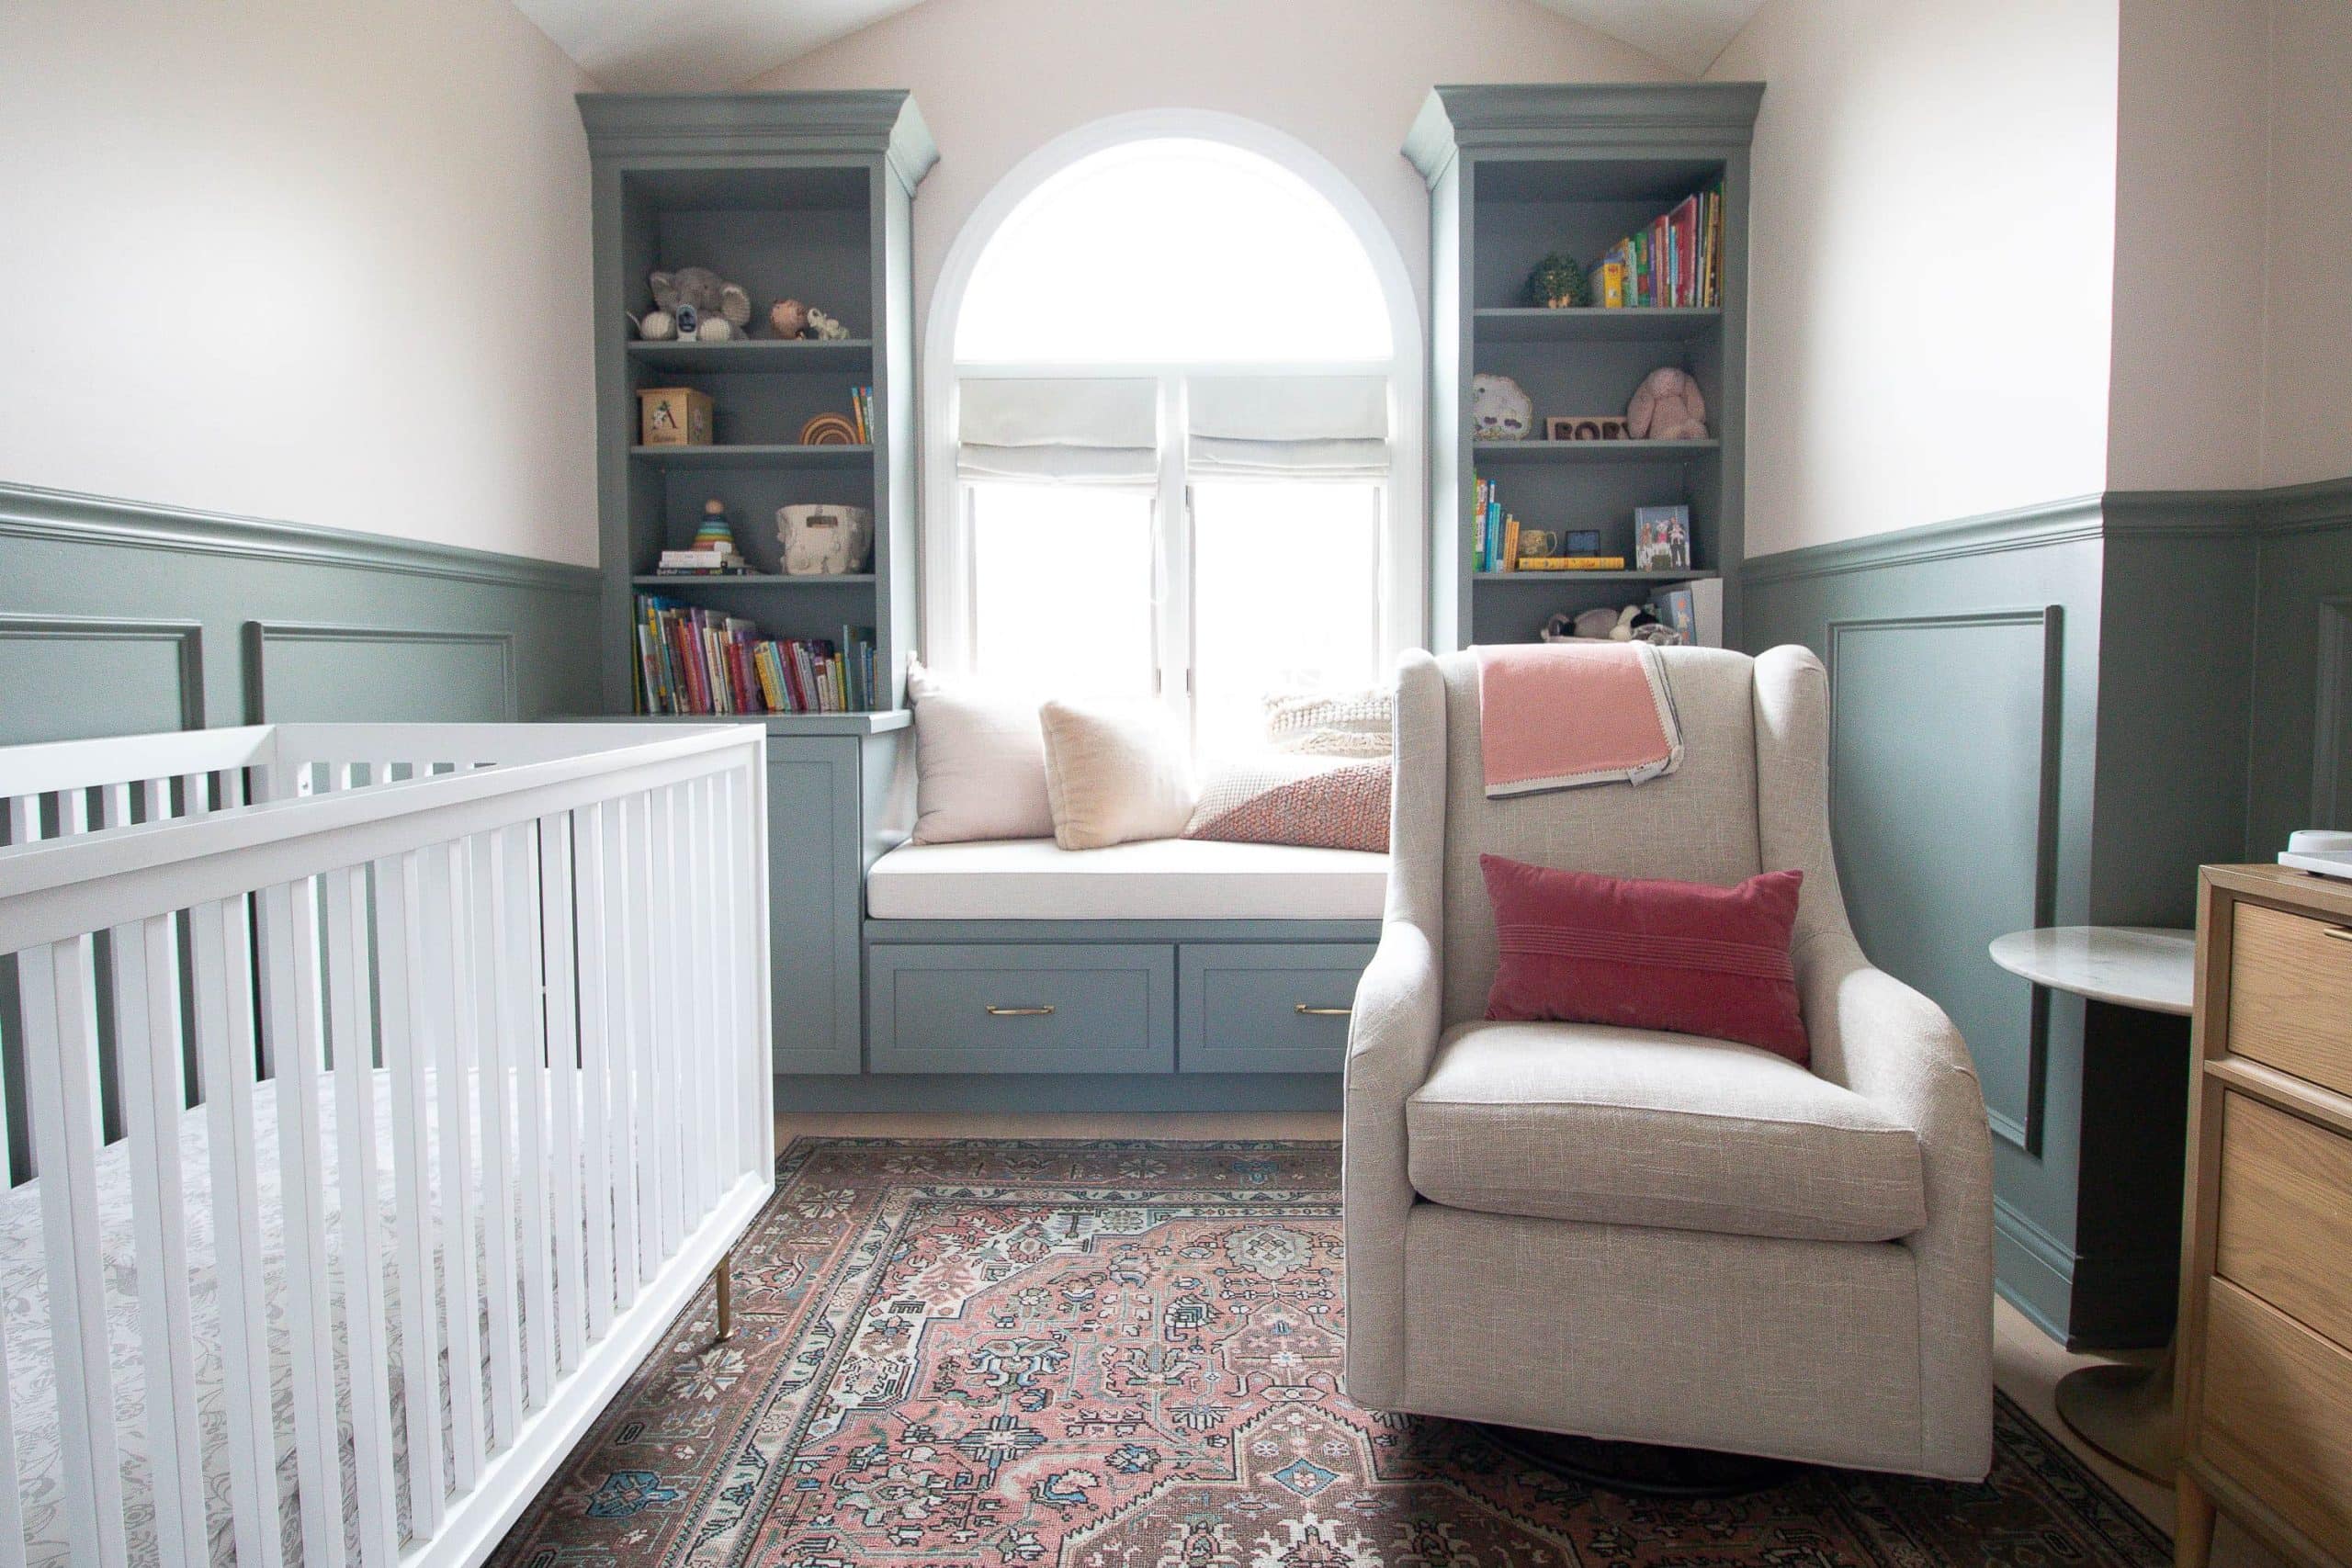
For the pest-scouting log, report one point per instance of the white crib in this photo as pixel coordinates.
(381, 1095)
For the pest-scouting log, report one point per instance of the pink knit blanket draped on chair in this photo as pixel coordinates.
(1564, 715)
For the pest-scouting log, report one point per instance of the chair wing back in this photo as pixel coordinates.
(1698, 824)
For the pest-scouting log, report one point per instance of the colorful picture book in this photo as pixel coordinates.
(861, 409)
(1675, 261)
(696, 660)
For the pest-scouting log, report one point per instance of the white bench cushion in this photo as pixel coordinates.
(1161, 879)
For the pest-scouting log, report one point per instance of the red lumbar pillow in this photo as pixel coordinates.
(1680, 957)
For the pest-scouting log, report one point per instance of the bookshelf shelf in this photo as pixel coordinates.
(1486, 452)
(1521, 324)
(753, 457)
(755, 355)
(660, 583)
(1554, 578)
(1520, 172)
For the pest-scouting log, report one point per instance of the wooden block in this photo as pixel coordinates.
(674, 417)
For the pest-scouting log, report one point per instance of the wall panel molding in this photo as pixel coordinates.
(28, 511)
(182, 641)
(2332, 722)
(262, 635)
(1967, 980)
(2019, 528)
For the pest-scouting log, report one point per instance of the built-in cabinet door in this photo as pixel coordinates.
(814, 873)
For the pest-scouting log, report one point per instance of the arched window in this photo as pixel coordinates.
(1174, 405)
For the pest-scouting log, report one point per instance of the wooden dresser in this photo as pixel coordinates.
(2265, 1392)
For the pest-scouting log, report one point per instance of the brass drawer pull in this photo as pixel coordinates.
(1306, 1012)
(2339, 932)
(1018, 1012)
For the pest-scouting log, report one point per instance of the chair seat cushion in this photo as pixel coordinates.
(1634, 1127)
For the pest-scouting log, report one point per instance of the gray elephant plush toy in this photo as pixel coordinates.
(702, 305)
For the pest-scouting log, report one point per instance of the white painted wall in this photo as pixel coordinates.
(2192, 141)
(2307, 363)
(1931, 257)
(322, 263)
(996, 79)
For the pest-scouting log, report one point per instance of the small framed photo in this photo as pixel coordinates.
(1585, 427)
(1662, 538)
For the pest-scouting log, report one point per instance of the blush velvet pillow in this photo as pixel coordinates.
(1680, 956)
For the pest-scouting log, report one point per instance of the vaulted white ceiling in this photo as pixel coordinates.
(708, 45)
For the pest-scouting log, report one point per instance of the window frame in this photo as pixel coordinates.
(945, 512)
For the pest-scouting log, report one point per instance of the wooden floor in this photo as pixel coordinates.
(2027, 1363)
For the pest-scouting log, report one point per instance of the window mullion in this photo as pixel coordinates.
(1172, 526)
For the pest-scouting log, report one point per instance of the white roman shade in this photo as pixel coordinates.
(1085, 430)
(1333, 428)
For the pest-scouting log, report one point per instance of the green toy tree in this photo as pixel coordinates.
(1557, 282)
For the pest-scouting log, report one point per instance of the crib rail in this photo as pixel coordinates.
(496, 995)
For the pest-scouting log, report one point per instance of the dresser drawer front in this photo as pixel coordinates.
(1266, 1007)
(1022, 1009)
(2277, 1414)
(2284, 1231)
(2291, 994)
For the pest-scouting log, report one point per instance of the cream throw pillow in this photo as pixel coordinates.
(979, 762)
(1114, 772)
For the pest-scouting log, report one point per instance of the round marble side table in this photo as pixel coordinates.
(2125, 1411)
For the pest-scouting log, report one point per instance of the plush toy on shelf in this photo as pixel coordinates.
(788, 317)
(1635, 623)
(702, 306)
(822, 326)
(1667, 406)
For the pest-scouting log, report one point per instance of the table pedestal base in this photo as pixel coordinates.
(2125, 1413)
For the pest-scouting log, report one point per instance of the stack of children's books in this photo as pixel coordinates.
(1495, 542)
(1675, 261)
(694, 661)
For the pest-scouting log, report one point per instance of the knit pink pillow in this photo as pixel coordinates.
(1324, 803)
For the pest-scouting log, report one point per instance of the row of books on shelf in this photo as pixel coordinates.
(1661, 541)
(694, 661)
(1675, 261)
(861, 409)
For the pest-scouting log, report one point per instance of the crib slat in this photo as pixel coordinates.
(727, 1051)
(347, 964)
(671, 1017)
(497, 1141)
(760, 1101)
(710, 1014)
(623, 853)
(595, 1064)
(290, 998)
(447, 874)
(523, 991)
(147, 1040)
(12, 1510)
(61, 1025)
(556, 944)
(223, 952)
(399, 937)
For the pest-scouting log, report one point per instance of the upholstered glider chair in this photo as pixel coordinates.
(1651, 1236)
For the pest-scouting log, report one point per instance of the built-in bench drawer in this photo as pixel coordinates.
(1266, 1007)
(1021, 1008)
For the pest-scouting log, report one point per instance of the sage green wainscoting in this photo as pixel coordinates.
(118, 617)
(2052, 716)
(122, 617)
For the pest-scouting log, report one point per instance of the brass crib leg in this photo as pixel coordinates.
(724, 1278)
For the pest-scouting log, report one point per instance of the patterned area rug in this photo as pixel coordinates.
(1127, 1355)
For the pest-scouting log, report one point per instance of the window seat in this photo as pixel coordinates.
(1163, 879)
(1179, 960)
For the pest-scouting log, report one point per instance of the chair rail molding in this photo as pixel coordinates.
(29, 512)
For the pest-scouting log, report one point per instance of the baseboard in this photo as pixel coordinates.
(2032, 1273)
(1083, 1092)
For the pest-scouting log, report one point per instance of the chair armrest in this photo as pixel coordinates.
(1895, 1048)
(1390, 1041)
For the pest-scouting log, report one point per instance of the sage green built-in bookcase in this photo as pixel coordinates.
(1516, 173)
(804, 196)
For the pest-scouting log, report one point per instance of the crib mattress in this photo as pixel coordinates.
(24, 1306)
